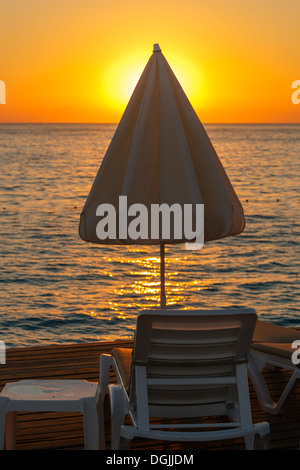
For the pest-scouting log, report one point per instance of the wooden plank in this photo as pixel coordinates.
(69, 361)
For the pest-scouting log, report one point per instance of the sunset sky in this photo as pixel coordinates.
(79, 60)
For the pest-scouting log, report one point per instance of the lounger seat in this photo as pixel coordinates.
(277, 349)
(266, 332)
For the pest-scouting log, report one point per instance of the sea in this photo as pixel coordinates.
(58, 289)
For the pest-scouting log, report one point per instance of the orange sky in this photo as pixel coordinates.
(79, 60)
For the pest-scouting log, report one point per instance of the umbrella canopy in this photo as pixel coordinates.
(161, 154)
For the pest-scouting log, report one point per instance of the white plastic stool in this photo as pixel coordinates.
(49, 395)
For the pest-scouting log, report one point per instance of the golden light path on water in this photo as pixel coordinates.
(140, 289)
(144, 286)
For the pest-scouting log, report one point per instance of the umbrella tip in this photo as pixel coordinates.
(156, 48)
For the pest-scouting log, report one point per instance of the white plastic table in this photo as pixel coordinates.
(49, 395)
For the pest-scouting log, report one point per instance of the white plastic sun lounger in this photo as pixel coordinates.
(184, 365)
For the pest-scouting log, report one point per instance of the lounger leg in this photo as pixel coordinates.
(118, 414)
(125, 444)
(91, 424)
(106, 362)
(260, 386)
(101, 419)
(261, 442)
(249, 442)
(10, 433)
(288, 391)
(262, 390)
(3, 408)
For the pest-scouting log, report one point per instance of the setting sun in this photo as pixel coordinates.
(118, 80)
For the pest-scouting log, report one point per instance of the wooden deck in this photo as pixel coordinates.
(51, 431)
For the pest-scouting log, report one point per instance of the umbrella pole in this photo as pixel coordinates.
(162, 277)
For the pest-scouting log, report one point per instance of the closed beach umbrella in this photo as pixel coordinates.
(160, 154)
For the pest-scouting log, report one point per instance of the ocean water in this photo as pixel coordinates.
(56, 288)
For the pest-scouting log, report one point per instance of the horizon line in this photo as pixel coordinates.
(116, 123)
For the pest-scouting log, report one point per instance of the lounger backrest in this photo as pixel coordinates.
(184, 362)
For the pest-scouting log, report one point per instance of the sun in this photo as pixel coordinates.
(118, 81)
(190, 76)
(120, 77)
